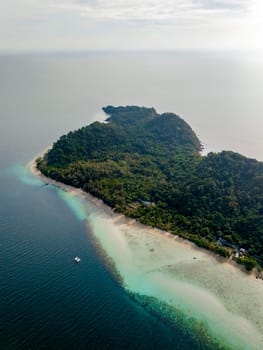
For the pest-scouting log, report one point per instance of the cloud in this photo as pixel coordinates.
(130, 23)
(232, 5)
(152, 10)
(125, 10)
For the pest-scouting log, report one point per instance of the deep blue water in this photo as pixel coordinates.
(47, 301)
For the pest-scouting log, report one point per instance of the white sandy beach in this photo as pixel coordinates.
(154, 263)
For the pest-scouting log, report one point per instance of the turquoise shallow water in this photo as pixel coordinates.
(203, 314)
(215, 301)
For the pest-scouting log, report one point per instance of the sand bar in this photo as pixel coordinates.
(227, 301)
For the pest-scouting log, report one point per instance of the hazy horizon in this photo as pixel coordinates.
(218, 95)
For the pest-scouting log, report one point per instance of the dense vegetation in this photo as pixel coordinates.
(148, 166)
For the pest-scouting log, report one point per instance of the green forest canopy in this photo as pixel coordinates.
(149, 167)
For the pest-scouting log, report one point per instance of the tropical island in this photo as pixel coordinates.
(149, 167)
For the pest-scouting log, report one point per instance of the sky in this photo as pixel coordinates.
(131, 24)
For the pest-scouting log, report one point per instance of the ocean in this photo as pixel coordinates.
(46, 300)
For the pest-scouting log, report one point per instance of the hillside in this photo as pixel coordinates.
(148, 166)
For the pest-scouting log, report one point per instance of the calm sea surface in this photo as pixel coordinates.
(46, 301)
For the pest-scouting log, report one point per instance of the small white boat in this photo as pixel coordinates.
(77, 259)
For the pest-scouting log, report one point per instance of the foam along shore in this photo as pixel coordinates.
(224, 300)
